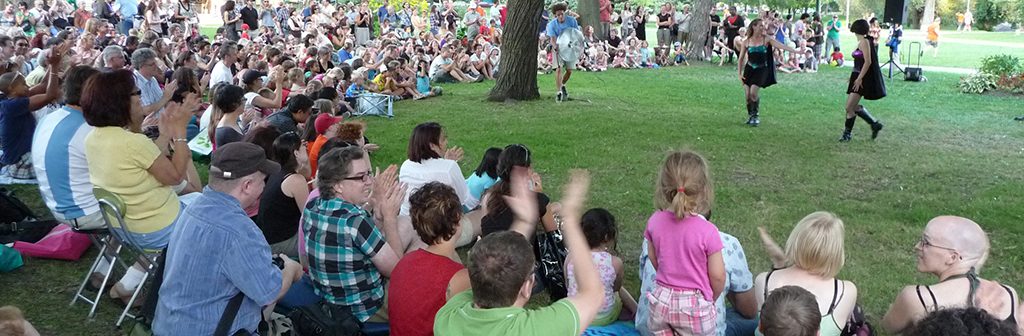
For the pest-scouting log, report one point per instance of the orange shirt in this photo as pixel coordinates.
(933, 31)
(314, 151)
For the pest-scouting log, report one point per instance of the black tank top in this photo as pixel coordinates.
(279, 216)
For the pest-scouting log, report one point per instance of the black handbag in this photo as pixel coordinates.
(324, 319)
(551, 262)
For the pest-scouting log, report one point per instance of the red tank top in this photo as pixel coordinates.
(417, 290)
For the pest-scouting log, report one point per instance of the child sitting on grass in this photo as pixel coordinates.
(600, 230)
(837, 58)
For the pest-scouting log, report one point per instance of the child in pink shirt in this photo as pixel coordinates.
(685, 250)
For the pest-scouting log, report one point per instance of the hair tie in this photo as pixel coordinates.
(681, 190)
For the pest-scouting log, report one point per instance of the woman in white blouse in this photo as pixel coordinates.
(430, 160)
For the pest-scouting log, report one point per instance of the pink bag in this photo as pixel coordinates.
(61, 243)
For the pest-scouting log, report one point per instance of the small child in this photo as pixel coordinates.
(543, 62)
(602, 59)
(620, 60)
(679, 55)
(791, 65)
(12, 322)
(485, 175)
(790, 311)
(358, 86)
(685, 249)
(245, 32)
(600, 230)
(423, 81)
(837, 58)
(646, 55)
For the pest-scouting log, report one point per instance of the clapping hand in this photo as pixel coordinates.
(522, 202)
(383, 182)
(454, 153)
(574, 194)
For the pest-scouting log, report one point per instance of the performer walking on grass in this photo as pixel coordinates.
(757, 66)
(865, 81)
(555, 28)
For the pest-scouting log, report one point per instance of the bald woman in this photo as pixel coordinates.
(953, 249)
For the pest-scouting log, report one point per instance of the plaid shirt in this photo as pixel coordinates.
(340, 240)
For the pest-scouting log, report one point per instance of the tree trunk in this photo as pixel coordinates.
(590, 15)
(700, 26)
(518, 71)
(929, 13)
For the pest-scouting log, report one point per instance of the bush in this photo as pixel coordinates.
(978, 83)
(1013, 84)
(1001, 65)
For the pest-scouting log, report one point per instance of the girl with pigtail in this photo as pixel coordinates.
(685, 250)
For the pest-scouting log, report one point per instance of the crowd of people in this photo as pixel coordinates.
(296, 215)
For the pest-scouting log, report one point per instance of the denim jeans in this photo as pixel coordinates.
(737, 325)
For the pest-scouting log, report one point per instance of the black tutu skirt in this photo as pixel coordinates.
(762, 77)
(872, 87)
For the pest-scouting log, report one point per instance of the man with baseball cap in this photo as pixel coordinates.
(323, 126)
(217, 254)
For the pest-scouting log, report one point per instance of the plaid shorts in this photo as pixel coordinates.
(681, 312)
(21, 169)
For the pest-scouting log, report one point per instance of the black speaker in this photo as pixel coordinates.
(895, 11)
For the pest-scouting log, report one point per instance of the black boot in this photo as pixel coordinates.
(754, 120)
(750, 112)
(876, 126)
(848, 132)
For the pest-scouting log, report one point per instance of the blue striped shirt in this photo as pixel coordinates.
(58, 156)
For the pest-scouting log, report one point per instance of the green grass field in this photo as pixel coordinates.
(956, 50)
(941, 152)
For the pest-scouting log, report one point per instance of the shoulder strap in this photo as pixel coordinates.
(1013, 305)
(935, 303)
(228, 318)
(835, 295)
(766, 278)
(921, 298)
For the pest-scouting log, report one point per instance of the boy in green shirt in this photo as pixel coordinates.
(501, 273)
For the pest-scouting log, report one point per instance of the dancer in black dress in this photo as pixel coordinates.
(865, 81)
(757, 66)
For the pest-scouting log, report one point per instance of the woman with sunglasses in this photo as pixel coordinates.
(953, 249)
(351, 238)
(128, 164)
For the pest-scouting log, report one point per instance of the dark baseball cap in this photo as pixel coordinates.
(240, 159)
(251, 76)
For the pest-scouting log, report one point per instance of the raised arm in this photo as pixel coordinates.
(591, 292)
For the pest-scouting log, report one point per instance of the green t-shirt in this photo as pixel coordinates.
(458, 317)
(833, 32)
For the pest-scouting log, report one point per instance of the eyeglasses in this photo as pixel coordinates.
(364, 177)
(925, 243)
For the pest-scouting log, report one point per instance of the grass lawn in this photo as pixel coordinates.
(956, 54)
(941, 152)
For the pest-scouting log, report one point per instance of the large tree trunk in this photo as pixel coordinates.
(700, 26)
(929, 13)
(518, 71)
(590, 15)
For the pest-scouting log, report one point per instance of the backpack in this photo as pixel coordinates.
(858, 324)
(18, 222)
(324, 319)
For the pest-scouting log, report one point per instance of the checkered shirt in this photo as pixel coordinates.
(340, 240)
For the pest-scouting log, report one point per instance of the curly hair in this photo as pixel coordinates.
(969, 321)
(435, 212)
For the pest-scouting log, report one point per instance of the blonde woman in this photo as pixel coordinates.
(814, 255)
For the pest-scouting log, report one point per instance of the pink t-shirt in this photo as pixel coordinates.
(682, 247)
